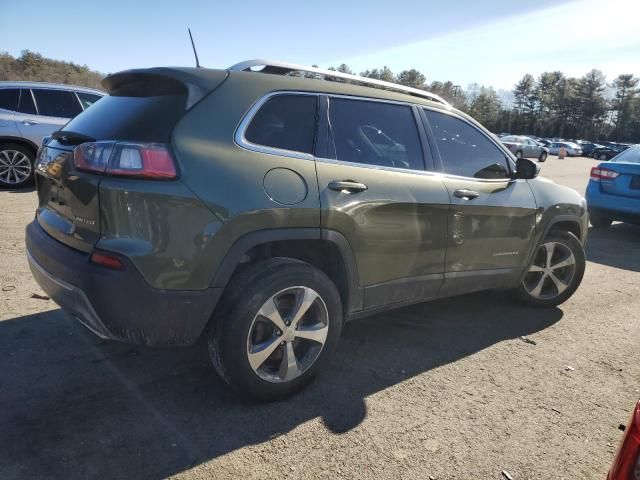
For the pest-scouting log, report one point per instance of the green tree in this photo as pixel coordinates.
(623, 103)
(411, 78)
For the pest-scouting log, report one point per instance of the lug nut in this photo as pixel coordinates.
(287, 323)
(278, 333)
(281, 343)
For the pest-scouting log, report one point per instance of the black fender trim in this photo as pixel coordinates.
(234, 256)
(566, 218)
(554, 221)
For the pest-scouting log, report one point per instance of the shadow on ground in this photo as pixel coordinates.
(73, 406)
(616, 246)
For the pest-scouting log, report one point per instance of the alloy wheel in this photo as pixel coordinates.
(287, 334)
(551, 271)
(15, 167)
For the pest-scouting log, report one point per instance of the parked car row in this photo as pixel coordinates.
(601, 150)
(30, 111)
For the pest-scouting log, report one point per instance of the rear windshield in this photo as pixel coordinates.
(631, 155)
(143, 119)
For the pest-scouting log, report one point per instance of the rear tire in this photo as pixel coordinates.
(602, 158)
(555, 272)
(269, 358)
(16, 166)
(543, 157)
(598, 221)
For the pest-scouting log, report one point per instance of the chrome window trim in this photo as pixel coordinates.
(241, 140)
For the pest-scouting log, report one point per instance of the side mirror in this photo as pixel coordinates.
(526, 169)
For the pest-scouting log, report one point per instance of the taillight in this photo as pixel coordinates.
(145, 160)
(626, 465)
(598, 174)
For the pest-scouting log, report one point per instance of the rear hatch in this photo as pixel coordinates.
(143, 106)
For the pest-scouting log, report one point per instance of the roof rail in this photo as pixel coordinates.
(283, 68)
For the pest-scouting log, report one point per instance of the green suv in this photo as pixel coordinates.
(268, 203)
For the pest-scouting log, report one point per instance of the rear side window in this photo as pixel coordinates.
(464, 150)
(285, 122)
(9, 98)
(87, 99)
(56, 103)
(374, 133)
(26, 104)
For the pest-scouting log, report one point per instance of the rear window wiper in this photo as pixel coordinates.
(71, 138)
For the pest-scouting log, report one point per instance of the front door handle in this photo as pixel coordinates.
(29, 122)
(348, 186)
(466, 194)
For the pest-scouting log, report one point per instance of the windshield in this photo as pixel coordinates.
(631, 155)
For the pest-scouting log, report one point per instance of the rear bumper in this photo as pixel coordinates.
(117, 304)
(616, 207)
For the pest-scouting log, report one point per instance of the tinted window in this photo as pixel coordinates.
(465, 150)
(26, 104)
(375, 133)
(9, 98)
(87, 99)
(56, 103)
(287, 122)
(145, 119)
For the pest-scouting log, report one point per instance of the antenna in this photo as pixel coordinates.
(194, 49)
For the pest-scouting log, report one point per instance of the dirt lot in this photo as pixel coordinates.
(447, 389)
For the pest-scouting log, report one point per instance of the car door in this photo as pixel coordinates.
(492, 216)
(532, 149)
(375, 191)
(45, 110)
(9, 98)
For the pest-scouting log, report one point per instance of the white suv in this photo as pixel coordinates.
(29, 111)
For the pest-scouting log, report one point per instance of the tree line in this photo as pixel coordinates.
(552, 105)
(34, 67)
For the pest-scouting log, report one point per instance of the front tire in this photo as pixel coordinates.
(555, 272)
(276, 328)
(16, 166)
(543, 157)
(519, 154)
(602, 158)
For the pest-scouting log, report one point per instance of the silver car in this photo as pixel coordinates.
(572, 149)
(30, 111)
(525, 147)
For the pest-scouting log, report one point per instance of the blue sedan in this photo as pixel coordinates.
(613, 192)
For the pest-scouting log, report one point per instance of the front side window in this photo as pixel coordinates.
(56, 103)
(285, 122)
(9, 98)
(464, 150)
(374, 133)
(26, 105)
(87, 99)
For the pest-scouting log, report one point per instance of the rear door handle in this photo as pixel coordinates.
(347, 185)
(29, 122)
(466, 194)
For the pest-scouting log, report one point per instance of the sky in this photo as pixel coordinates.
(491, 42)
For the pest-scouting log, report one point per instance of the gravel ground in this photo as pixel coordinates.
(447, 389)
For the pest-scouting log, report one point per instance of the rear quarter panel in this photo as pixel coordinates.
(230, 179)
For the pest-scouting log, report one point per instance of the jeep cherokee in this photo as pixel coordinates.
(267, 203)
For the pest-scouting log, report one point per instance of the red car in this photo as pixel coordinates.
(626, 465)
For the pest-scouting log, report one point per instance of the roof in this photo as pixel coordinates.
(24, 84)
(282, 68)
